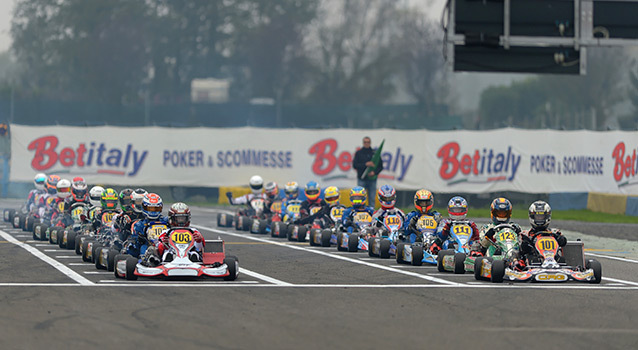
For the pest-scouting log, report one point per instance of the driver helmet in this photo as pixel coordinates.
(358, 196)
(126, 203)
(540, 214)
(331, 195)
(95, 195)
(40, 181)
(109, 199)
(457, 208)
(179, 215)
(387, 197)
(292, 190)
(137, 197)
(152, 206)
(312, 191)
(64, 188)
(79, 190)
(501, 210)
(423, 201)
(256, 184)
(272, 190)
(52, 183)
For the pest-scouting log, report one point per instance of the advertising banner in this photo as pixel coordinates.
(533, 161)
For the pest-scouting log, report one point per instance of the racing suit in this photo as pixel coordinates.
(527, 241)
(245, 199)
(309, 211)
(486, 234)
(164, 251)
(138, 241)
(410, 225)
(121, 225)
(380, 214)
(33, 198)
(347, 223)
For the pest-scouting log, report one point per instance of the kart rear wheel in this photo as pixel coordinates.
(290, 232)
(498, 271)
(459, 263)
(340, 237)
(371, 242)
(275, 227)
(301, 234)
(417, 255)
(61, 239)
(263, 225)
(477, 268)
(384, 249)
(439, 259)
(239, 222)
(233, 268)
(78, 244)
(598, 270)
(110, 260)
(131, 263)
(98, 258)
(87, 250)
(96, 247)
(118, 258)
(36, 232)
(311, 237)
(17, 220)
(29, 223)
(325, 238)
(400, 250)
(53, 235)
(353, 243)
(43, 232)
(70, 239)
(246, 224)
(8, 215)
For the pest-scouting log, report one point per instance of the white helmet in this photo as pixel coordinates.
(256, 184)
(95, 195)
(64, 188)
(40, 180)
(137, 197)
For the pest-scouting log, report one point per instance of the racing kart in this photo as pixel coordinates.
(383, 245)
(547, 262)
(504, 246)
(419, 252)
(67, 238)
(358, 239)
(327, 236)
(460, 257)
(290, 213)
(244, 218)
(178, 262)
(102, 235)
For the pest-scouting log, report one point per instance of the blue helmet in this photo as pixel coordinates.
(312, 191)
(387, 196)
(358, 196)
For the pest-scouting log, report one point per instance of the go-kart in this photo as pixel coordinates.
(290, 213)
(504, 246)
(327, 236)
(358, 238)
(542, 264)
(383, 245)
(419, 252)
(244, 218)
(460, 257)
(81, 225)
(179, 261)
(102, 235)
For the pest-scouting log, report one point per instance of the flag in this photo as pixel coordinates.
(376, 159)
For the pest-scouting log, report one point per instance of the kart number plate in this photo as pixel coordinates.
(506, 235)
(363, 217)
(293, 208)
(154, 231)
(392, 222)
(544, 244)
(107, 218)
(426, 222)
(336, 214)
(61, 206)
(314, 210)
(181, 237)
(77, 212)
(276, 207)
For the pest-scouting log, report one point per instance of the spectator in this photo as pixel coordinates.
(362, 160)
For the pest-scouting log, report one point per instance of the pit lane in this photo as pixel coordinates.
(290, 295)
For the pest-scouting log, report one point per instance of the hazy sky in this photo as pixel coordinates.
(6, 8)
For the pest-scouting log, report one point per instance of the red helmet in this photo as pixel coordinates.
(179, 215)
(79, 190)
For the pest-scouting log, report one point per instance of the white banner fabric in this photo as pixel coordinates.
(533, 161)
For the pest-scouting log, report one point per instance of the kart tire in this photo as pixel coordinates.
(417, 255)
(224, 220)
(118, 257)
(371, 242)
(70, 239)
(246, 224)
(340, 237)
(325, 238)
(498, 271)
(97, 258)
(36, 232)
(384, 249)
(96, 246)
(400, 250)
(301, 234)
(87, 246)
(43, 232)
(440, 257)
(477, 268)
(6, 216)
(459, 263)
(263, 225)
(290, 231)
(30, 223)
(353, 243)
(78, 244)
(11, 213)
(598, 270)
(18, 221)
(275, 227)
(311, 237)
(110, 261)
(54, 234)
(233, 268)
(61, 242)
(239, 222)
(131, 263)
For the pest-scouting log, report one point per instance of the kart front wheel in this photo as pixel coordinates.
(233, 268)
(400, 250)
(384, 249)
(325, 238)
(131, 263)
(371, 245)
(598, 270)
(459, 263)
(441, 257)
(498, 271)
(417, 255)
(353, 243)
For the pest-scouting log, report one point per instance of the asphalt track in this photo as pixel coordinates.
(291, 295)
